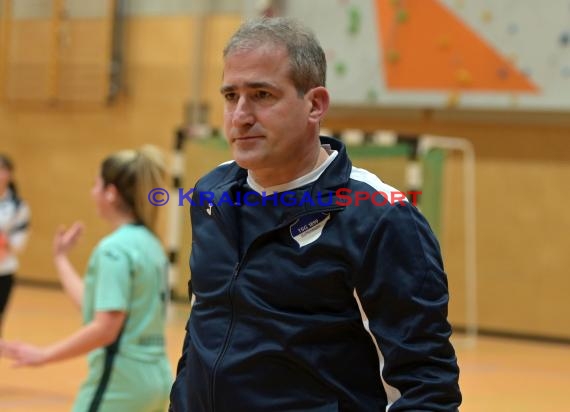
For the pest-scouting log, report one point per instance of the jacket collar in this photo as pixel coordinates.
(232, 178)
(338, 173)
(334, 176)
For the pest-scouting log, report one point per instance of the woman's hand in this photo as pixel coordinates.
(65, 239)
(23, 354)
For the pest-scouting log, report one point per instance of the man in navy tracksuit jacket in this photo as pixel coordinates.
(304, 300)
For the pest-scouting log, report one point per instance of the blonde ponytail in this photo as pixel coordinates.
(134, 173)
(151, 172)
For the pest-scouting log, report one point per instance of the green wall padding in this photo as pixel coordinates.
(432, 188)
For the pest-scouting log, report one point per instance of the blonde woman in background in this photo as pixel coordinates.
(123, 295)
(14, 222)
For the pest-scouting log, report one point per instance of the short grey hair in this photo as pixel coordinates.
(306, 56)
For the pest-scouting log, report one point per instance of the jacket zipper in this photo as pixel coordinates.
(235, 274)
(226, 338)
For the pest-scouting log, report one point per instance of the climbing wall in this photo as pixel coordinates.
(478, 54)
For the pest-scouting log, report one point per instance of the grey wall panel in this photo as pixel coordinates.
(31, 9)
(86, 9)
(180, 7)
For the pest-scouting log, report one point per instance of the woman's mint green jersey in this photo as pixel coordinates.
(128, 272)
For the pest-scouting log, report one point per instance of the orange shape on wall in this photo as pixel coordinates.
(436, 50)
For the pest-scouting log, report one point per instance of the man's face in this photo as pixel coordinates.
(266, 122)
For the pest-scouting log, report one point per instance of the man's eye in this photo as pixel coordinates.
(230, 97)
(262, 94)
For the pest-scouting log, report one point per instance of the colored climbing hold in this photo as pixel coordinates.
(463, 77)
(566, 72)
(372, 95)
(340, 68)
(393, 56)
(513, 28)
(565, 39)
(355, 20)
(402, 16)
(487, 16)
(503, 73)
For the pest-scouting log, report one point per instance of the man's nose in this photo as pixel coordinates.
(243, 113)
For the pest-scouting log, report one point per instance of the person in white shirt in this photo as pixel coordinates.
(14, 223)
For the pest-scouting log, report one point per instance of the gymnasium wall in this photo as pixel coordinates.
(522, 172)
(57, 148)
(523, 166)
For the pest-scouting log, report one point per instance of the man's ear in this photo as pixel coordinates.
(319, 99)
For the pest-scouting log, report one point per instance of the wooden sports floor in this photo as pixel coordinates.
(497, 374)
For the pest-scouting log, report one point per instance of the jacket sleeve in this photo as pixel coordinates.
(179, 390)
(178, 393)
(402, 291)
